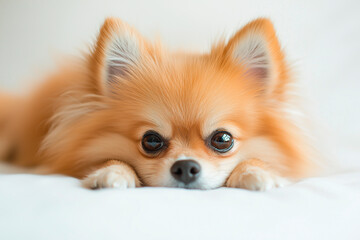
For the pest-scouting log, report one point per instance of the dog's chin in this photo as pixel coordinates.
(202, 183)
(190, 186)
(194, 185)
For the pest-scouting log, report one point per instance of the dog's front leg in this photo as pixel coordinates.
(254, 174)
(112, 174)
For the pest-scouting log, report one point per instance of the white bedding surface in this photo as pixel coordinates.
(322, 37)
(56, 207)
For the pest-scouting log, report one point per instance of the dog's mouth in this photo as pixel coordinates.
(199, 185)
(189, 186)
(190, 174)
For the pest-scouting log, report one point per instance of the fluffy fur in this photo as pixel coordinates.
(87, 120)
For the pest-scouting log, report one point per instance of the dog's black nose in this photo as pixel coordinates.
(186, 171)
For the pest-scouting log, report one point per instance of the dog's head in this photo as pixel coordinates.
(183, 119)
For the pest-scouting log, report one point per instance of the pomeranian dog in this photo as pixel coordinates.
(130, 113)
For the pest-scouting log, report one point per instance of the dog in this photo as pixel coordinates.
(131, 113)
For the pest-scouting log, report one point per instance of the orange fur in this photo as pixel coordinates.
(77, 121)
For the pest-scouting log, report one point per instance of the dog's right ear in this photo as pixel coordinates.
(256, 49)
(117, 53)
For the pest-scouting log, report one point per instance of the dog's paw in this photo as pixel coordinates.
(255, 178)
(115, 176)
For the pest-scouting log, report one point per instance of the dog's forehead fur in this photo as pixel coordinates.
(187, 92)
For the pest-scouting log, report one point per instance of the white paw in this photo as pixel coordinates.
(114, 176)
(256, 178)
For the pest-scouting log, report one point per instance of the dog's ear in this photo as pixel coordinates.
(256, 48)
(117, 54)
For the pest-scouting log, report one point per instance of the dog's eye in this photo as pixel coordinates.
(152, 142)
(221, 141)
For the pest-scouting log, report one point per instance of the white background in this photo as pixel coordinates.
(321, 39)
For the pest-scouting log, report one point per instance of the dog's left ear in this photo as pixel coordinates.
(256, 49)
(118, 53)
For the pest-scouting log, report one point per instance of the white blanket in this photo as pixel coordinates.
(56, 207)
